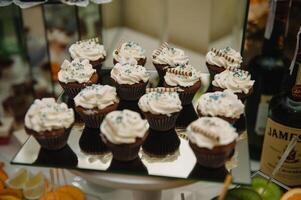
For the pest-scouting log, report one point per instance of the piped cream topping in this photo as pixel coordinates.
(129, 73)
(129, 50)
(238, 81)
(46, 115)
(123, 127)
(87, 49)
(96, 96)
(223, 104)
(209, 132)
(76, 71)
(170, 56)
(226, 57)
(188, 78)
(164, 103)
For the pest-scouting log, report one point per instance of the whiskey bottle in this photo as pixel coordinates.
(268, 70)
(284, 122)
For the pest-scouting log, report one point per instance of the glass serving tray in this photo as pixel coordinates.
(179, 164)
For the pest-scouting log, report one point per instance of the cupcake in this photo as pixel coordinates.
(124, 132)
(94, 102)
(225, 105)
(161, 109)
(167, 57)
(90, 50)
(6, 129)
(130, 50)
(49, 122)
(218, 61)
(212, 140)
(238, 81)
(76, 75)
(130, 80)
(186, 78)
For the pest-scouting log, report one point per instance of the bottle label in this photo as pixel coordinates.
(298, 78)
(276, 139)
(262, 114)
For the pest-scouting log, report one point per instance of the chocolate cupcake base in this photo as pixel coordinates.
(73, 88)
(187, 95)
(124, 152)
(212, 158)
(216, 174)
(161, 143)
(161, 69)
(63, 157)
(130, 105)
(213, 70)
(90, 142)
(94, 117)
(186, 116)
(161, 122)
(130, 92)
(133, 167)
(51, 140)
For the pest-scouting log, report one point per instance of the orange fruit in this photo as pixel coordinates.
(56, 196)
(293, 194)
(11, 192)
(49, 196)
(3, 175)
(9, 197)
(2, 185)
(73, 191)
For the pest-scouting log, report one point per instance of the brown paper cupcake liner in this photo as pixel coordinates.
(186, 96)
(90, 142)
(160, 69)
(92, 121)
(130, 92)
(213, 70)
(214, 158)
(161, 122)
(94, 117)
(72, 92)
(161, 143)
(52, 141)
(124, 152)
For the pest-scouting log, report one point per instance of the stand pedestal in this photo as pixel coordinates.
(143, 187)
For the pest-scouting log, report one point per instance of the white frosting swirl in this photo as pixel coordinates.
(171, 56)
(214, 59)
(237, 81)
(88, 49)
(123, 127)
(180, 80)
(129, 50)
(223, 104)
(164, 103)
(214, 126)
(46, 115)
(129, 73)
(96, 96)
(76, 71)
